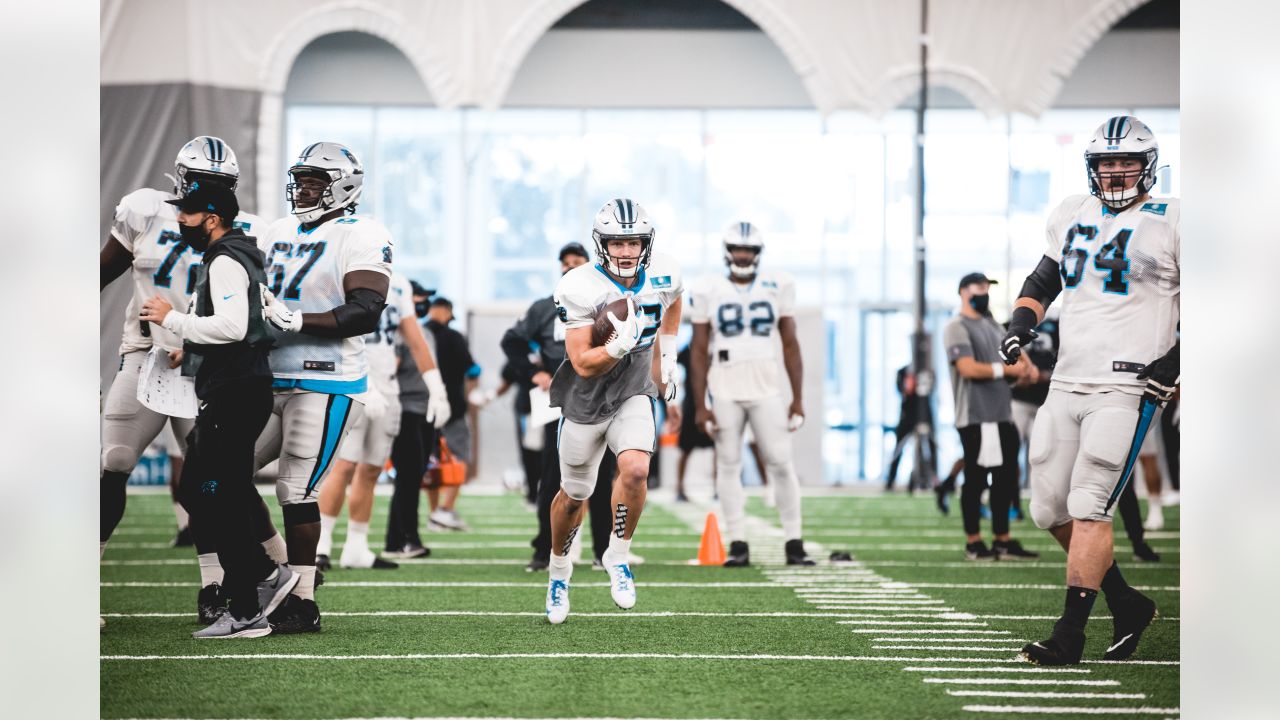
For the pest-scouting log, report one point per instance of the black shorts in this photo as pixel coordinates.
(693, 437)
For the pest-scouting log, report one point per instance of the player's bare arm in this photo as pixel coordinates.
(587, 361)
(411, 332)
(794, 363)
(666, 355)
(113, 260)
(699, 362)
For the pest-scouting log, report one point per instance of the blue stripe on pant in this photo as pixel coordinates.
(1145, 416)
(335, 421)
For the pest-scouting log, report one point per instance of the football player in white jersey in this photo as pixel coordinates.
(147, 239)
(609, 393)
(1112, 262)
(738, 320)
(329, 271)
(368, 445)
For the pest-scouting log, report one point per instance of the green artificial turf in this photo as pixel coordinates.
(149, 596)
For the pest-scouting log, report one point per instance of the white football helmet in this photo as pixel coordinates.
(346, 179)
(743, 235)
(1123, 136)
(622, 218)
(204, 157)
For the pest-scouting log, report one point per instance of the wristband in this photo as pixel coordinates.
(997, 371)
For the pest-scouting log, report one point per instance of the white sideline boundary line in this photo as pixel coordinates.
(1027, 669)
(589, 656)
(1021, 681)
(1047, 694)
(1084, 710)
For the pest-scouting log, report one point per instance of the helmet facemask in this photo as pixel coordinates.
(742, 272)
(338, 168)
(622, 219)
(1119, 190)
(610, 263)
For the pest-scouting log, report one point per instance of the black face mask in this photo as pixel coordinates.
(194, 236)
(421, 307)
(980, 303)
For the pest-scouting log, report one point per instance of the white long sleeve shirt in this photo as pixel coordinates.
(229, 290)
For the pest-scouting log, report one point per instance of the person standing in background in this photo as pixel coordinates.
(460, 374)
(984, 418)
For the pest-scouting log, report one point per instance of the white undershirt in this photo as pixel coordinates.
(228, 289)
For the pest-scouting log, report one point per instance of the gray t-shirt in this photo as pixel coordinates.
(977, 401)
(413, 391)
(588, 401)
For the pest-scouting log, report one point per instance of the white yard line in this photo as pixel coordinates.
(1021, 681)
(1048, 694)
(1026, 669)
(477, 584)
(945, 648)
(872, 631)
(1059, 710)
(496, 613)
(950, 640)
(547, 656)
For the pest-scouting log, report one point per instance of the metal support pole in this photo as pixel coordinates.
(922, 474)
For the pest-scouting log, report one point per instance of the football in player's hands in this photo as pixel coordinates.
(602, 329)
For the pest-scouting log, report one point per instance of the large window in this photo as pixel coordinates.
(479, 203)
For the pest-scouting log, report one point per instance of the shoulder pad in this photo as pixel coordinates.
(144, 203)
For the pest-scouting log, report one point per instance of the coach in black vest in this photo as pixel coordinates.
(225, 346)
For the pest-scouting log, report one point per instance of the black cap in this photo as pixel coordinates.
(211, 197)
(419, 290)
(443, 302)
(976, 277)
(574, 248)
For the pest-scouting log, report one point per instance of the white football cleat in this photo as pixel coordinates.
(622, 584)
(557, 601)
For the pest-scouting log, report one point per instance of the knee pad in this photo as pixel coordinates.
(301, 514)
(119, 458)
(1041, 443)
(1047, 516)
(578, 487)
(1083, 504)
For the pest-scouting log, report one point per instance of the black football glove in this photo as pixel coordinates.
(1021, 332)
(1162, 376)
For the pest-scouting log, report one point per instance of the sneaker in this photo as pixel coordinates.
(977, 550)
(1064, 647)
(1011, 550)
(557, 601)
(739, 555)
(943, 493)
(184, 538)
(622, 584)
(794, 550)
(597, 564)
(367, 560)
(295, 615)
(272, 592)
(1132, 614)
(229, 626)
(841, 556)
(409, 551)
(1155, 519)
(442, 520)
(1142, 551)
(322, 562)
(211, 603)
(536, 565)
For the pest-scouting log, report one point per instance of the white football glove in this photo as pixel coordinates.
(481, 397)
(626, 332)
(375, 405)
(795, 422)
(437, 398)
(277, 313)
(667, 344)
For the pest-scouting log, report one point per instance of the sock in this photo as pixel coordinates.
(183, 518)
(210, 569)
(102, 548)
(1153, 504)
(1078, 606)
(560, 568)
(325, 545)
(357, 537)
(306, 587)
(1114, 585)
(619, 547)
(276, 549)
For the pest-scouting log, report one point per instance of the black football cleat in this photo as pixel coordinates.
(978, 550)
(796, 554)
(295, 615)
(323, 562)
(1142, 551)
(380, 564)
(211, 602)
(1064, 647)
(1132, 615)
(739, 555)
(537, 564)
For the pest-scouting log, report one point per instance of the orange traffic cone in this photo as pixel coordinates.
(711, 550)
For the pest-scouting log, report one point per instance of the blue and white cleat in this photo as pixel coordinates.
(557, 601)
(622, 584)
